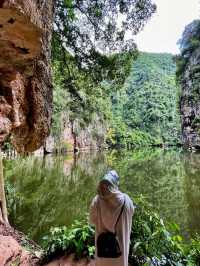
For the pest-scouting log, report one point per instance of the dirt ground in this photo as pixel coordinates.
(69, 261)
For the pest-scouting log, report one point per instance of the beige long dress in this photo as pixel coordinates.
(103, 214)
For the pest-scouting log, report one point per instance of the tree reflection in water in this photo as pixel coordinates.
(57, 190)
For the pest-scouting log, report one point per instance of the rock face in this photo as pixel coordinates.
(74, 137)
(190, 102)
(11, 252)
(188, 73)
(90, 137)
(25, 76)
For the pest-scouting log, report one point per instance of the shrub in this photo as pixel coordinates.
(192, 252)
(152, 240)
(78, 239)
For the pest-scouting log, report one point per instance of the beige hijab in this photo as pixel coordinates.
(111, 201)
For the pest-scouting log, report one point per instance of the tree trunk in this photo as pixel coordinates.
(25, 76)
(3, 208)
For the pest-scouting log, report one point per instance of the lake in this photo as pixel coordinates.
(53, 191)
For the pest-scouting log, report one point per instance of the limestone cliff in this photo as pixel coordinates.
(188, 73)
(25, 76)
(88, 137)
(74, 137)
(190, 104)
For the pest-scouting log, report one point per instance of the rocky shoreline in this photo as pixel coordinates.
(16, 249)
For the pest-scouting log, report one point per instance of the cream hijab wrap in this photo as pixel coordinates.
(104, 211)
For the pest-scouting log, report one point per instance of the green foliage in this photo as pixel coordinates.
(136, 100)
(78, 239)
(89, 29)
(189, 42)
(151, 238)
(181, 63)
(193, 252)
(7, 145)
(78, 97)
(120, 136)
(145, 110)
(11, 196)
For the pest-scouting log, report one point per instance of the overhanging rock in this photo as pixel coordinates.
(25, 76)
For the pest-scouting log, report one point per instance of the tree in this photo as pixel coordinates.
(89, 28)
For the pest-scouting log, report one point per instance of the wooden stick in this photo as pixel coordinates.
(3, 208)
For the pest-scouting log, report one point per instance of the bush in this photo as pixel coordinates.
(193, 252)
(78, 239)
(152, 240)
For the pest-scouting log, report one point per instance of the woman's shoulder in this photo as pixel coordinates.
(127, 198)
(95, 200)
(128, 202)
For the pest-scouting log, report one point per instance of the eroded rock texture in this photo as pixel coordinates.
(190, 102)
(91, 137)
(11, 250)
(25, 76)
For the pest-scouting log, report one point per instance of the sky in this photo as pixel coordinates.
(165, 28)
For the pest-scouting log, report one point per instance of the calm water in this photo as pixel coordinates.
(57, 190)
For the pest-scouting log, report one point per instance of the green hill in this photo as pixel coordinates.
(145, 110)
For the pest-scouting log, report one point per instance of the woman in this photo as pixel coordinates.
(112, 211)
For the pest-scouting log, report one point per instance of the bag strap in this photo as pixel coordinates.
(119, 215)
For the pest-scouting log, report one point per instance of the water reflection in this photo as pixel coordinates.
(192, 189)
(57, 190)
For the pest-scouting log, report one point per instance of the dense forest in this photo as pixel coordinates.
(145, 110)
(139, 109)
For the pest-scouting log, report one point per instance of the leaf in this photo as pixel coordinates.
(137, 244)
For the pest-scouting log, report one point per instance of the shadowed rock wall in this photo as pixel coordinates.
(190, 102)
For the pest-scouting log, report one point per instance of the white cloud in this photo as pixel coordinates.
(166, 26)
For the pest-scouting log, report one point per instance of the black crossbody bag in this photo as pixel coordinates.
(108, 244)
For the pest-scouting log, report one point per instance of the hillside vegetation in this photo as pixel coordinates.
(140, 109)
(145, 110)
